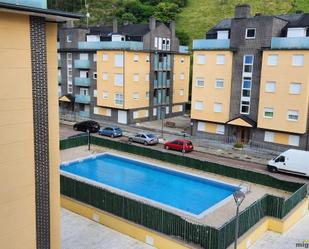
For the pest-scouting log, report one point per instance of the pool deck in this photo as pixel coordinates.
(216, 218)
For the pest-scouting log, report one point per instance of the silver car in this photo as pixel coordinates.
(144, 138)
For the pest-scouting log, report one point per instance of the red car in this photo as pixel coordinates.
(179, 144)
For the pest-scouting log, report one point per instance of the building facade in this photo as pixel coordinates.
(124, 74)
(29, 127)
(250, 82)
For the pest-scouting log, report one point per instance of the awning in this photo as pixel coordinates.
(67, 98)
(242, 121)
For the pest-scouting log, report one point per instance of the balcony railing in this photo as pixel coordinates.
(30, 3)
(290, 43)
(211, 44)
(165, 66)
(158, 101)
(112, 45)
(82, 64)
(159, 84)
(59, 79)
(184, 49)
(85, 82)
(82, 99)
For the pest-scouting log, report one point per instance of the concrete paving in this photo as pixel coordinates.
(78, 232)
(296, 237)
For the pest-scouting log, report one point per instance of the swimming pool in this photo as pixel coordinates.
(170, 189)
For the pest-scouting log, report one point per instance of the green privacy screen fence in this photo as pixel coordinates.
(171, 224)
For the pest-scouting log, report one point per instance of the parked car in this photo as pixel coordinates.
(90, 125)
(183, 145)
(291, 161)
(111, 131)
(144, 138)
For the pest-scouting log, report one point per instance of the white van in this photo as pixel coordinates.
(291, 161)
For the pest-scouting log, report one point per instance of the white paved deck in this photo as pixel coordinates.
(78, 232)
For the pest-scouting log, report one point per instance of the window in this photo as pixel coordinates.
(147, 77)
(222, 35)
(250, 33)
(69, 38)
(84, 91)
(269, 136)
(119, 79)
(156, 42)
(270, 87)
(135, 58)
(245, 107)
(118, 60)
(201, 126)
(293, 115)
(159, 43)
(219, 83)
(95, 110)
(298, 60)
(119, 99)
(94, 93)
(135, 95)
(295, 88)
(105, 57)
(83, 74)
(69, 73)
(296, 32)
(268, 112)
(272, 60)
(220, 59)
(182, 60)
(167, 110)
(105, 95)
(217, 107)
(154, 112)
(200, 82)
(105, 76)
(136, 77)
(246, 84)
(135, 114)
(220, 129)
(182, 76)
(200, 59)
(248, 63)
(199, 105)
(293, 140)
(147, 95)
(181, 92)
(95, 75)
(147, 58)
(83, 56)
(94, 57)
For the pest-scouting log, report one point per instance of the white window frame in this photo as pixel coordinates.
(269, 136)
(272, 60)
(117, 80)
(94, 57)
(136, 77)
(222, 34)
(84, 56)
(293, 113)
(268, 110)
(119, 60)
(199, 105)
(118, 100)
(135, 96)
(217, 107)
(181, 92)
(201, 59)
(201, 126)
(105, 75)
(182, 76)
(294, 140)
(95, 93)
(268, 88)
(220, 129)
(147, 78)
(84, 91)
(250, 38)
(135, 58)
(105, 95)
(220, 59)
(154, 112)
(105, 57)
(296, 63)
(219, 80)
(292, 88)
(199, 79)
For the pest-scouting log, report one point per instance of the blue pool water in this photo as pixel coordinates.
(175, 189)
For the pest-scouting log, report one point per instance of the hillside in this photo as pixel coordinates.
(200, 15)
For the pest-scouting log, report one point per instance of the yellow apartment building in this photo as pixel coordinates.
(29, 126)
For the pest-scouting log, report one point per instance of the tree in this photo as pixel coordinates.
(166, 12)
(184, 38)
(127, 18)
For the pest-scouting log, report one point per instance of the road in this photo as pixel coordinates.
(67, 131)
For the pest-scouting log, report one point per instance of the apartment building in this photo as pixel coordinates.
(250, 80)
(124, 74)
(29, 129)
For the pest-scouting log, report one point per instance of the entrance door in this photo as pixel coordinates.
(243, 134)
(122, 117)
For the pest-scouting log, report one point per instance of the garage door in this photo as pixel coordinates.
(122, 117)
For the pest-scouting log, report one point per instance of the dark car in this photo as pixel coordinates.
(111, 132)
(183, 145)
(90, 125)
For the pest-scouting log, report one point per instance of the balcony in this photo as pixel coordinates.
(184, 49)
(112, 45)
(158, 84)
(211, 44)
(157, 101)
(162, 66)
(85, 82)
(42, 4)
(82, 64)
(59, 79)
(82, 99)
(290, 43)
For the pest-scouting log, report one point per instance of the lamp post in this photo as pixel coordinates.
(239, 196)
(88, 135)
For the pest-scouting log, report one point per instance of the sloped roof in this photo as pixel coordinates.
(303, 21)
(242, 120)
(130, 29)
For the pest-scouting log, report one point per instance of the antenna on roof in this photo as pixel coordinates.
(87, 13)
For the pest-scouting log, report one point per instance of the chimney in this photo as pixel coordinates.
(115, 26)
(243, 11)
(152, 23)
(172, 28)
